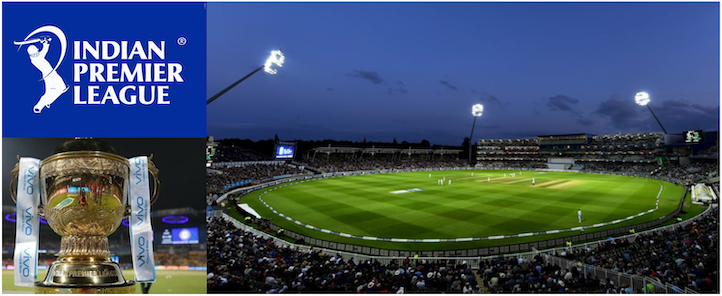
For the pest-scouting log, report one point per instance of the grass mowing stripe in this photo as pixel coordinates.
(467, 206)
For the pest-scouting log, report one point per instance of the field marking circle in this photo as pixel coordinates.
(438, 240)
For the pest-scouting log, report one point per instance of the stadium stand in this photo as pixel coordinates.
(331, 163)
(685, 258)
(240, 261)
(244, 173)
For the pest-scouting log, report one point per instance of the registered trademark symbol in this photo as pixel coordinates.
(182, 40)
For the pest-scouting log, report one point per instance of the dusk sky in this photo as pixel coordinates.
(412, 71)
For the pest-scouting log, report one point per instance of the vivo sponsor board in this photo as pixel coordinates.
(104, 69)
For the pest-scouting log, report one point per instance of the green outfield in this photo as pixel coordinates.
(414, 206)
(167, 282)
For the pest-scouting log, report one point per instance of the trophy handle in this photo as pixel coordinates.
(153, 170)
(13, 186)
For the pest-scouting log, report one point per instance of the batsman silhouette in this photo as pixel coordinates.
(54, 84)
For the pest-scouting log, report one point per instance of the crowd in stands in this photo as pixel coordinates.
(686, 256)
(711, 151)
(187, 259)
(692, 173)
(518, 275)
(241, 261)
(254, 172)
(346, 163)
(642, 139)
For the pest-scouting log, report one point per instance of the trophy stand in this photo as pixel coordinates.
(84, 267)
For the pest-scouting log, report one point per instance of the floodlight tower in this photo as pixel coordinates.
(642, 99)
(276, 58)
(476, 110)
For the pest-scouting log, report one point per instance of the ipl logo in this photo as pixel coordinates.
(54, 84)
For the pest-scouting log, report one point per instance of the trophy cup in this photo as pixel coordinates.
(84, 196)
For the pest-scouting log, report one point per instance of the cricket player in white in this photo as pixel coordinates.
(579, 213)
(532, 181)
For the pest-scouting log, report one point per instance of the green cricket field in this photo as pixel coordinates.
(489, 203)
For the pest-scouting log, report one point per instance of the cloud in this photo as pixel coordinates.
(447, 84)
(680, 115)
(368, 75)
(491, 100)
(676, 115)
(623, 114)
(562, 103)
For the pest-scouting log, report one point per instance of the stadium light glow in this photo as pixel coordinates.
(477, 110)
(642, 98)
(174, 219)
(276, 58)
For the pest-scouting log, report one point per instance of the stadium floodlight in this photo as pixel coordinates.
(476, 110)
(277, 58)
(642, 99)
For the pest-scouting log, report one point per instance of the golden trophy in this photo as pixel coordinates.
(84, 196)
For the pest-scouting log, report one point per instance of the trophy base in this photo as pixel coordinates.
(128, 288)
(84, 275)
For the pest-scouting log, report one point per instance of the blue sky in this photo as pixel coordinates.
(411, 71)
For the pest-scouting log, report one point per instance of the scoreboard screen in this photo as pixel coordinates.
(180, 236)
(694, 136)
(285, 150)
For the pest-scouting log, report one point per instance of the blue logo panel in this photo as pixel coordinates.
(104, 70)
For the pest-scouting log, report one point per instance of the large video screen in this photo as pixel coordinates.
(285, 150)
(180, 236)
(694, 136)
